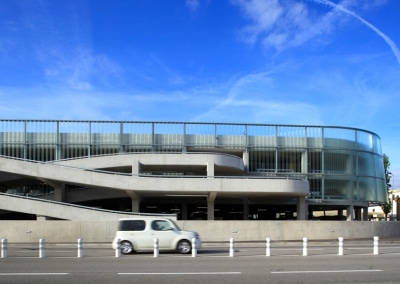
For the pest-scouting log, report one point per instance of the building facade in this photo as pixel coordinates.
(197, 170)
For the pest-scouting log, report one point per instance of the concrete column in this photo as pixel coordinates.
(210, 170)
(302, 208)
(59, 189)
(358, 214)
(59, 192)
(184, 211)
(246, 209)
(365, 213)
(135, 198)
(246, 161)
(350, 213)
(135, 168)
(211, 205)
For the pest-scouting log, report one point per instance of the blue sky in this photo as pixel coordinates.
(312, 62)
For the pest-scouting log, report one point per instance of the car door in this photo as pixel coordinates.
(162, 230)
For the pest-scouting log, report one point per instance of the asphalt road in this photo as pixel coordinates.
(213, 264)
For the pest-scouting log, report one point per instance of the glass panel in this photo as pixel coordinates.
(377, 145)
(105, 138)
(339, 138)
(315, 187)
(338, 187)
(231, 135)
(379, 167)
(367, 189)
(137, 137)
(381, 190)
(314, 137)
(339, 162)
(12, 132)
(314, 160)
(291, 136)
(168, 137)
(200, 135)
(12, 138)
(41, 132)
(289, 161)
(366, 164)
(263, 136)
(365, 141)
(74, 139)
(262, 161)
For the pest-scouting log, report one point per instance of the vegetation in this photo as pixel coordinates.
(387, 207)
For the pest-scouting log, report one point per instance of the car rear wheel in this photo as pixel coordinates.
(184, 246)
(126, 247)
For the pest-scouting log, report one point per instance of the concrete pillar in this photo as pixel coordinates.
(302, 208)
(210, 170)
(59, 192)
(365, 213)
(211, 205)
(246, 161)
(358, 214)
(135, 198)
(184, 211)
(246, 209)
(350, 213)
(59, 189)
(135, 168)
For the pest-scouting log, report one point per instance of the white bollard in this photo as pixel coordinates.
(42, 253)
(156, 248)
(80, 248)
(268, 249)
(194, 247)
(304, 246)
(376, 243)
(3, 248)
(231, 247)
(118, 248)
(340, 246)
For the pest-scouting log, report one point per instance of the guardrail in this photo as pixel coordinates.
(194, 252)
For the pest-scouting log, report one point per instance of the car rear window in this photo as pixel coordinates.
(132, 225)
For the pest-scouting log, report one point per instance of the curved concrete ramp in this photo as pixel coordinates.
(142, 184)
(63, 211)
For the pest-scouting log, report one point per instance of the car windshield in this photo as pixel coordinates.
(175, 225)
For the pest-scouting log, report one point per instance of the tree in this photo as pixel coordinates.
(387, 207)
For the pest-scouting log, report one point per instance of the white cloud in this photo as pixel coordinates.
(192, 4)
(285, 24)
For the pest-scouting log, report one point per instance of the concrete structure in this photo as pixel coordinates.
(198, 171)
(210, 231)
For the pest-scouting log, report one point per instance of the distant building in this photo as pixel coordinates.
(375, 213)
(199, 171)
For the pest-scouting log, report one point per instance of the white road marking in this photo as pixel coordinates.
(32, 274)
(326, 271)
(179, 273)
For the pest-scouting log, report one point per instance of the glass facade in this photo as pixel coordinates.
(340, 163)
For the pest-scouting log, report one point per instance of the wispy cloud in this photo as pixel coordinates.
(389, 42)
(282, 24)
(287, 24)
(192, 4)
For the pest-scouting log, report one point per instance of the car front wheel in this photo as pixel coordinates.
(184, 246)
(126, 247)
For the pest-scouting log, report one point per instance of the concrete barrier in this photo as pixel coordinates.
(210, 231)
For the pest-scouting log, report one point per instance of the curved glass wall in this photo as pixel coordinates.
(340, 163)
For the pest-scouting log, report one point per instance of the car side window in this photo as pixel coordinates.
(160, 225)
(132, 225)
